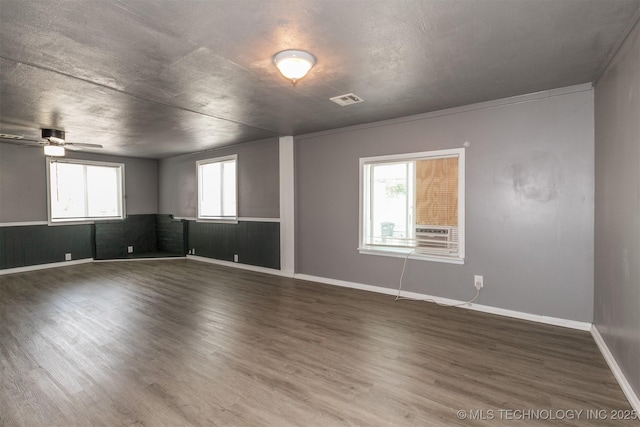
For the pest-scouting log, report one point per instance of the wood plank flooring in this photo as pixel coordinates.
(182, 343)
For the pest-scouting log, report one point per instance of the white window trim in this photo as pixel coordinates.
(408, 252)
(89, 220)
(221, 219)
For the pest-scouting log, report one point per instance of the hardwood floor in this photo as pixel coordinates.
(179, 343)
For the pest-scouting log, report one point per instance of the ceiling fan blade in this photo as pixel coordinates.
(22, 141)
(82, 144)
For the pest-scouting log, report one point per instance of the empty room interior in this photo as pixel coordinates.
(319, 213)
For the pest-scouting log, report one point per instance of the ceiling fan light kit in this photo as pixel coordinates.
(55, 145)
(54, 150)
(294, 64)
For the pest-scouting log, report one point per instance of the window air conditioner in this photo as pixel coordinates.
(433, 238)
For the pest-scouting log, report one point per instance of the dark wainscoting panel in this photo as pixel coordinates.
(41, 244)
(113, 237)
(255, 243)
(259, 244)
(140, 232)
(172, 235)
(110, 241)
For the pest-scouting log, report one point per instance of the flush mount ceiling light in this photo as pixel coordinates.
(54, 150)
(294, 64)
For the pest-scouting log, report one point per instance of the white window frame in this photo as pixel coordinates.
(401, 252)
(223, 219)
(87, 219)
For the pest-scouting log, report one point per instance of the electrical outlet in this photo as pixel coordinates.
(235, 258)
(130, 249)
(478, 282)
(67, 257)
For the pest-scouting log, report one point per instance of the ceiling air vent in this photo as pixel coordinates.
(348, 99)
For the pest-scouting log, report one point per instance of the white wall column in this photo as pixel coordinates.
(287, 206)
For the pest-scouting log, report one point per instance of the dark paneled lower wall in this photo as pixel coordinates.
(114, 237)
(110, 241)
(42, 244)
(150, 235)
(255, 243)
(140, 232)
(172, 235)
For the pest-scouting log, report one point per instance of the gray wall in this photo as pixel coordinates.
(529, 196)
(617, 214)
(258, 180)
(23, 182)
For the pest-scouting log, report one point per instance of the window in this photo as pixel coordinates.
(413, 205)
(84, 190)
(217, 188)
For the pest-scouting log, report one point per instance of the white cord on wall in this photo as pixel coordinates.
(398, 297)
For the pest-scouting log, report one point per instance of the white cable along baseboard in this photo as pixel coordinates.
(583, 326)
(573, 324)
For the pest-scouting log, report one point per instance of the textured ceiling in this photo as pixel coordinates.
(161, 78)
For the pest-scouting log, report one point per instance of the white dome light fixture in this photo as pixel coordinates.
(294, 64)
(53, 150)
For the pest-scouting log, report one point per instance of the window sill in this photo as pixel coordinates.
(83, 221)
(78, 222)
(218, 220)
(402, 253)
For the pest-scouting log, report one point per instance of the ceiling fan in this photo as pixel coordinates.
(53, 141)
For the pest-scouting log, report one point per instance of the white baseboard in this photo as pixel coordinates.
(241, 266)
(556, 321)
(44, 266)
(628, 391)
(573, 324)
(74, 262)
(165, 258)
